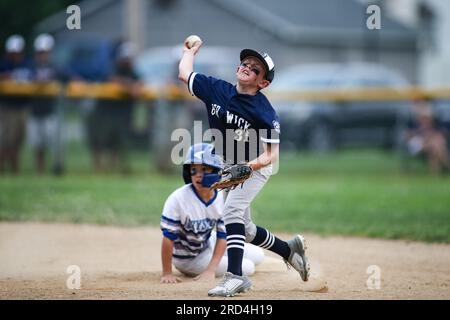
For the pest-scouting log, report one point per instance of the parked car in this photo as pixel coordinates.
(89, 57)
(327, 125)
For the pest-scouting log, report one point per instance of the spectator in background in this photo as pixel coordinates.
(13, 67)
(425, 138)
(42, 121)
(109, 124)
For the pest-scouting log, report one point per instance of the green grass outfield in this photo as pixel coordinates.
(362, 193)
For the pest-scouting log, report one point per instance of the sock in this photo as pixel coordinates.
(267, 240)
(235, 247)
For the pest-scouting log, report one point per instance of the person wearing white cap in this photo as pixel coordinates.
(13, 67)
(42, 121)
(15, 44)
(44, 43)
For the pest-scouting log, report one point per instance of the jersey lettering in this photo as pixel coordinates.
(238, 121)
(199, 225)
(244, 121)
(215, 110)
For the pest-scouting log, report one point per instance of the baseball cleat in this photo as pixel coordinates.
(297, 258)
(230, 285)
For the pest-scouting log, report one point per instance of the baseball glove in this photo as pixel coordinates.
(233, 176)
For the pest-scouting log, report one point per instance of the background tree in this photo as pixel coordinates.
(22, 16)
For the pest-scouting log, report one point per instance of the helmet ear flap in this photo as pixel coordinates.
(186, 173)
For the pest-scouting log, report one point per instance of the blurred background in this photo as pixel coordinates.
(86, 114)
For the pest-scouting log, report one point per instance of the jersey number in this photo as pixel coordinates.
(241, 135)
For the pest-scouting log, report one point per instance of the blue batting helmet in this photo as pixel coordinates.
(201, 153)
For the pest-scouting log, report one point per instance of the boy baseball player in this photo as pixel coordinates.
(241, 112)
(189, 216)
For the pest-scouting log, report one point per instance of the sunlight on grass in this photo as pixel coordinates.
(362, 193)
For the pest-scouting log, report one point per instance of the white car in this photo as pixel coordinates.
(327, 125)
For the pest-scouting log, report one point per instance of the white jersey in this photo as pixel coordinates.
(188, 221)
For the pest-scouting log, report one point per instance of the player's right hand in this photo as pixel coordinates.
(194, 49)
(170, 278)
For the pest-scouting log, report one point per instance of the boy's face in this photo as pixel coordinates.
(197, 172)
(251, 72)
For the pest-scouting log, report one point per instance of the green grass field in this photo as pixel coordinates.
(362, 193)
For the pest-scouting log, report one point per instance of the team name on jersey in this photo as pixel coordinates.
(238, 121)
(199, 225)
(215, 110)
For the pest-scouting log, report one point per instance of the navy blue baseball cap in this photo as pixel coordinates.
(265, 59)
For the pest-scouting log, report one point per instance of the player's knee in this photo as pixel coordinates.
(250, 232)
(233, 215)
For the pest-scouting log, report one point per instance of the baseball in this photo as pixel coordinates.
(192, 40)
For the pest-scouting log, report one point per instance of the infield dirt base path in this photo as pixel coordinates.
(124, 263)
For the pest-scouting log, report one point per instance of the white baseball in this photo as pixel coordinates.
(192, 40)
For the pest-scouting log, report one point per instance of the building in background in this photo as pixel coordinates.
(431, 19)
(293, 31)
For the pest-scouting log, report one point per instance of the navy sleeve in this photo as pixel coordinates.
(203, 87)
(270, 132)
(199, 85)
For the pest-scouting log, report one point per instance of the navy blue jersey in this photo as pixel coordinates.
(244, 121)
(20, 71)
(16, 71)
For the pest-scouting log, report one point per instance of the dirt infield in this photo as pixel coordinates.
(124, 263)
